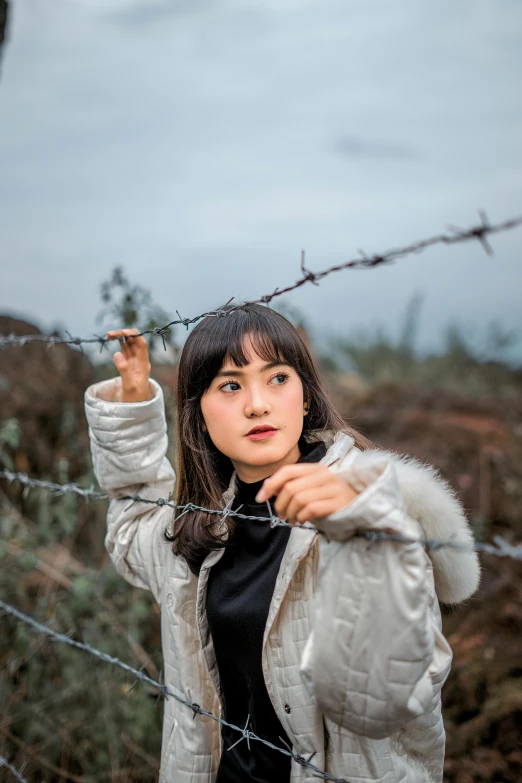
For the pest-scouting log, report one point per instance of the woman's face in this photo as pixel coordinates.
(258, 395)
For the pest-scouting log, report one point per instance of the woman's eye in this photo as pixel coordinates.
(278, 379)
(283, 378)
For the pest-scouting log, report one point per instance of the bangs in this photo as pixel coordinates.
(217, 339)
(262, 343)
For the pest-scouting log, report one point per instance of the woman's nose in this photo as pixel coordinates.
(256, 405)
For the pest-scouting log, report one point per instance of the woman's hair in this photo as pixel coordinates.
(202, 472)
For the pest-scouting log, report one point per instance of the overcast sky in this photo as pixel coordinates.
(202, 144)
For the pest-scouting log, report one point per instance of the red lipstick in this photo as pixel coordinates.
(261, 432)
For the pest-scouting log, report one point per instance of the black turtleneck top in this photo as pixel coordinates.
(240, 589)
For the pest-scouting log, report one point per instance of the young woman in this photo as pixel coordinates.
(319, 639)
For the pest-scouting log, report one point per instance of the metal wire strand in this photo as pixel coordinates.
(456, 236)
(4, 763)
(500, 547)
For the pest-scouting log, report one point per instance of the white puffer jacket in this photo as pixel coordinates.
(353, 655)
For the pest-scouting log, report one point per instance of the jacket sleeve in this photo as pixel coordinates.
(376, 658)
(129, 444)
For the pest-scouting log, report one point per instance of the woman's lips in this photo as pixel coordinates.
(262, 435)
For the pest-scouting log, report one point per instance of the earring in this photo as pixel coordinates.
(306, 410)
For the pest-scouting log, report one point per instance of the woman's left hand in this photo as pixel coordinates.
(306, 491)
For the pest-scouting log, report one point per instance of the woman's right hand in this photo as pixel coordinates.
(132, 362)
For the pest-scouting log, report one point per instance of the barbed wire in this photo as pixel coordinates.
(163, 690)
(4, 763)
(57, 489)
(500, 547)
(479, 232)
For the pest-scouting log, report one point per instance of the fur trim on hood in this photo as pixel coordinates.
(434, 504)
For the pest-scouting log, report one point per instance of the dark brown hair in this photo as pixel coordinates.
(203, 473)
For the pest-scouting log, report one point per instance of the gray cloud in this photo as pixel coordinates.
(357, 146)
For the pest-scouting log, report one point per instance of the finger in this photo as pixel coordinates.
(312, 479)
(124, 348)
(118, 334)
(113, 334)
(131, 342)
(128, 337)
(131, 335)
(136, 343)
(273, 484)
(315, 509)
(304, 498)
(125, 334)
(120, 361)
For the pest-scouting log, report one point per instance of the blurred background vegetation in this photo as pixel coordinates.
(68, 717)
(132, 135)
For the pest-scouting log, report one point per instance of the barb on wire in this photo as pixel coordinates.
(227, 511)
(246, 734)
(306, 273)
(363, 261)
(306, 762)
(4, 763)
(163, 690)
(499, 548)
